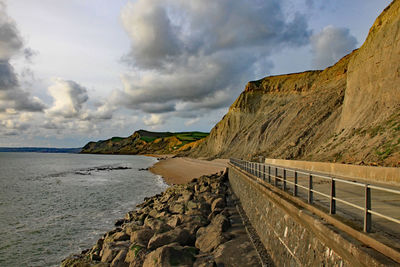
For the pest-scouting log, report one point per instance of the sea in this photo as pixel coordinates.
(55, 205)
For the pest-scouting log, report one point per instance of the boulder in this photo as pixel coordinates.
(204, 261)
(110, 250)
(120, 236)
(157, 225)
(119, 222)
(135, 255)
(142, 237)
(96, 249)
(204, 188)
(237, 252)
(174, 221)
(131, 227)
(210, 237)
(185, 197)
(208, 197)
(178, 235)
(220, 222)
(218, 203)
(170, 255)
(178, 208)
(119, 260)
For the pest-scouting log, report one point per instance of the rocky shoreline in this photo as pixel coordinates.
(195, 224)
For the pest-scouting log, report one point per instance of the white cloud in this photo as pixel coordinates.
(192, 121)
(154, 120)
(330, 45)
(69, 98)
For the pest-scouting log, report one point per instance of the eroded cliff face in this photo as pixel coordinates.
(349, 112)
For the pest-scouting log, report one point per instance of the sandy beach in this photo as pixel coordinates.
(183, 170)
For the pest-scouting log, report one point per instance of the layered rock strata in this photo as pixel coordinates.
(349, 112)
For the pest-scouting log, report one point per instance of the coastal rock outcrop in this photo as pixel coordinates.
(187, 225)
(349, 112)
(145, 142)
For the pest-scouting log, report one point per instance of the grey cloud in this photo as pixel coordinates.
(153, 35)
(8, 79)
(10, 40)
(29, 54)
(330, 45)
(201, 53)
(310, 3)
(22, 101)
(12, 96)
(157, 107)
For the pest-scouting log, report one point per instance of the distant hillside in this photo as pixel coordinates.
(145, 142)
(40, 149)
(349, 112)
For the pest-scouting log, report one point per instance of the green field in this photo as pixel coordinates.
(185, 137)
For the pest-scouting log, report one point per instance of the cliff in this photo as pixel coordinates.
(145, 142)
(349, 112)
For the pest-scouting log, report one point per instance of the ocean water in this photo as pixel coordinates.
(53, 205)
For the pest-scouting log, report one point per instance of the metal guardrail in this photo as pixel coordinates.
(269, 173)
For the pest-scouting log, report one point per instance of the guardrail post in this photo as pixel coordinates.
(332, 209)
(276, 176)
(367, 215)
(310, 187)
(284, 180)
(269, 174)
(295, 184)
(258, 169)
(264, 172)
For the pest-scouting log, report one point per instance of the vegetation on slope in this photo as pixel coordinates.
(144, 142)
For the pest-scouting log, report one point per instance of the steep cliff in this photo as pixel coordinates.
(349, 112)
(144, 142)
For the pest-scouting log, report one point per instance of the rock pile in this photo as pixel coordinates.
(195, 224)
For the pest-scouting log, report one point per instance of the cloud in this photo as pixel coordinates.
(69, 98)
(12, 96)
(192, 121)
(10, 39)
(8, 79)
(331, 44)
(310, 3)
(154, 120)
(199, 54)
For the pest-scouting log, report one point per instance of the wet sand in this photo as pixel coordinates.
(183, 170)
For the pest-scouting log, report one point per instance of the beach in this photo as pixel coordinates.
(182, 170)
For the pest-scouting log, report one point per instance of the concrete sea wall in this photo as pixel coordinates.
(293, 235)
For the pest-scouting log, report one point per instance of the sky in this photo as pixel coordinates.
(72, 71)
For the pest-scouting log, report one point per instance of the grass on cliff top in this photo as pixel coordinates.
(185, 137)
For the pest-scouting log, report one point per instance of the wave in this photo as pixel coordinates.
(160, 182)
